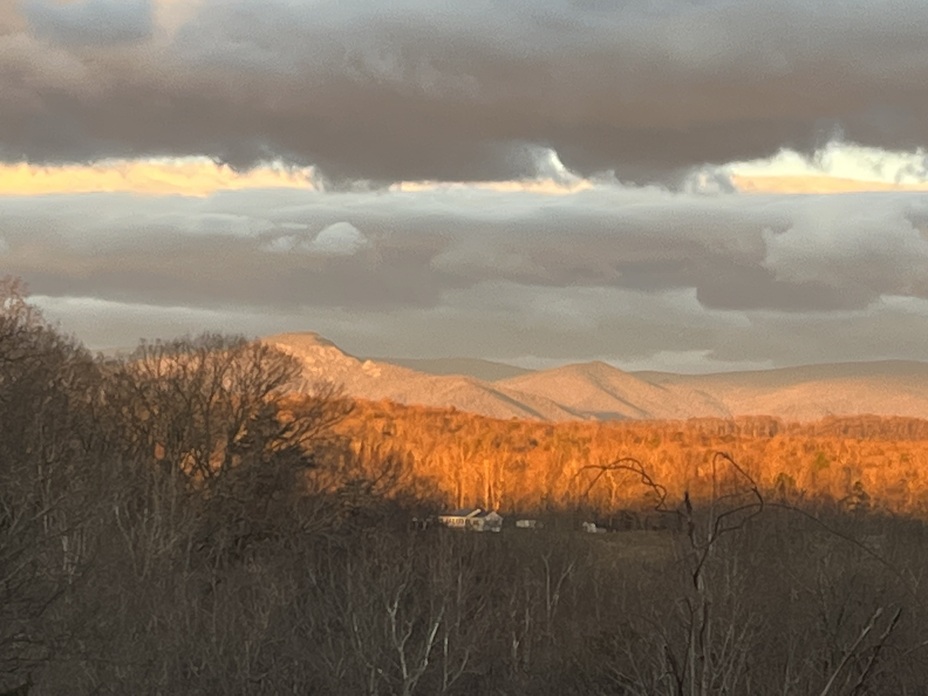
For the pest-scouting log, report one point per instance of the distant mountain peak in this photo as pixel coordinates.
(321, 358)
(600, 391)
(302, 339)
(590, 367)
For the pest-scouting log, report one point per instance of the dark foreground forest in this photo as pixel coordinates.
(168, 526)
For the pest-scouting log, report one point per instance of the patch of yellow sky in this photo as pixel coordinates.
(813, 184)
(188, 176)
(200, 177)
(835, 169)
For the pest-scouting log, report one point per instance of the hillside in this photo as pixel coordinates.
(601, 392)
(809, 392)
(469, 459)
(469, 367)
(598, 391)
(369, 379)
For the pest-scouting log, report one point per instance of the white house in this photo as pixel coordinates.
(473, 519)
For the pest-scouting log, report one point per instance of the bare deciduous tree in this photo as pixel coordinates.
(207, 419)
(48, 479)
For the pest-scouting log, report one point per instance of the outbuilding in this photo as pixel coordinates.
(473, 519)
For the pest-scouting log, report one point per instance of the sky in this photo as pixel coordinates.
(685, 185)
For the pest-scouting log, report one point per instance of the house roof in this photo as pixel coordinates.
(464, 512)
(471, 512)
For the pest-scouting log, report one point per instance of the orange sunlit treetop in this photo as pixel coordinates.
(518, 465)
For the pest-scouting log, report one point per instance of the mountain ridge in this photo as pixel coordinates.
(486, 370)
(598, 391)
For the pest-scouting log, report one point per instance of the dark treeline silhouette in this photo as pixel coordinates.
(169, 524)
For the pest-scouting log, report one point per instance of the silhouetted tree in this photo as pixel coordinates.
(206, 426)
(50, 480)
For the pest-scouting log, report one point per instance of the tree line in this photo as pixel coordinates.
(174, 521)
(524, 466)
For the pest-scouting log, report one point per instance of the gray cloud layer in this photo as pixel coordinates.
(89, 22)
(419, 90)
(625, 274)
(480, 90)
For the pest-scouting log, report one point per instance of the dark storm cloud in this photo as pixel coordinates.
(415, 90)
